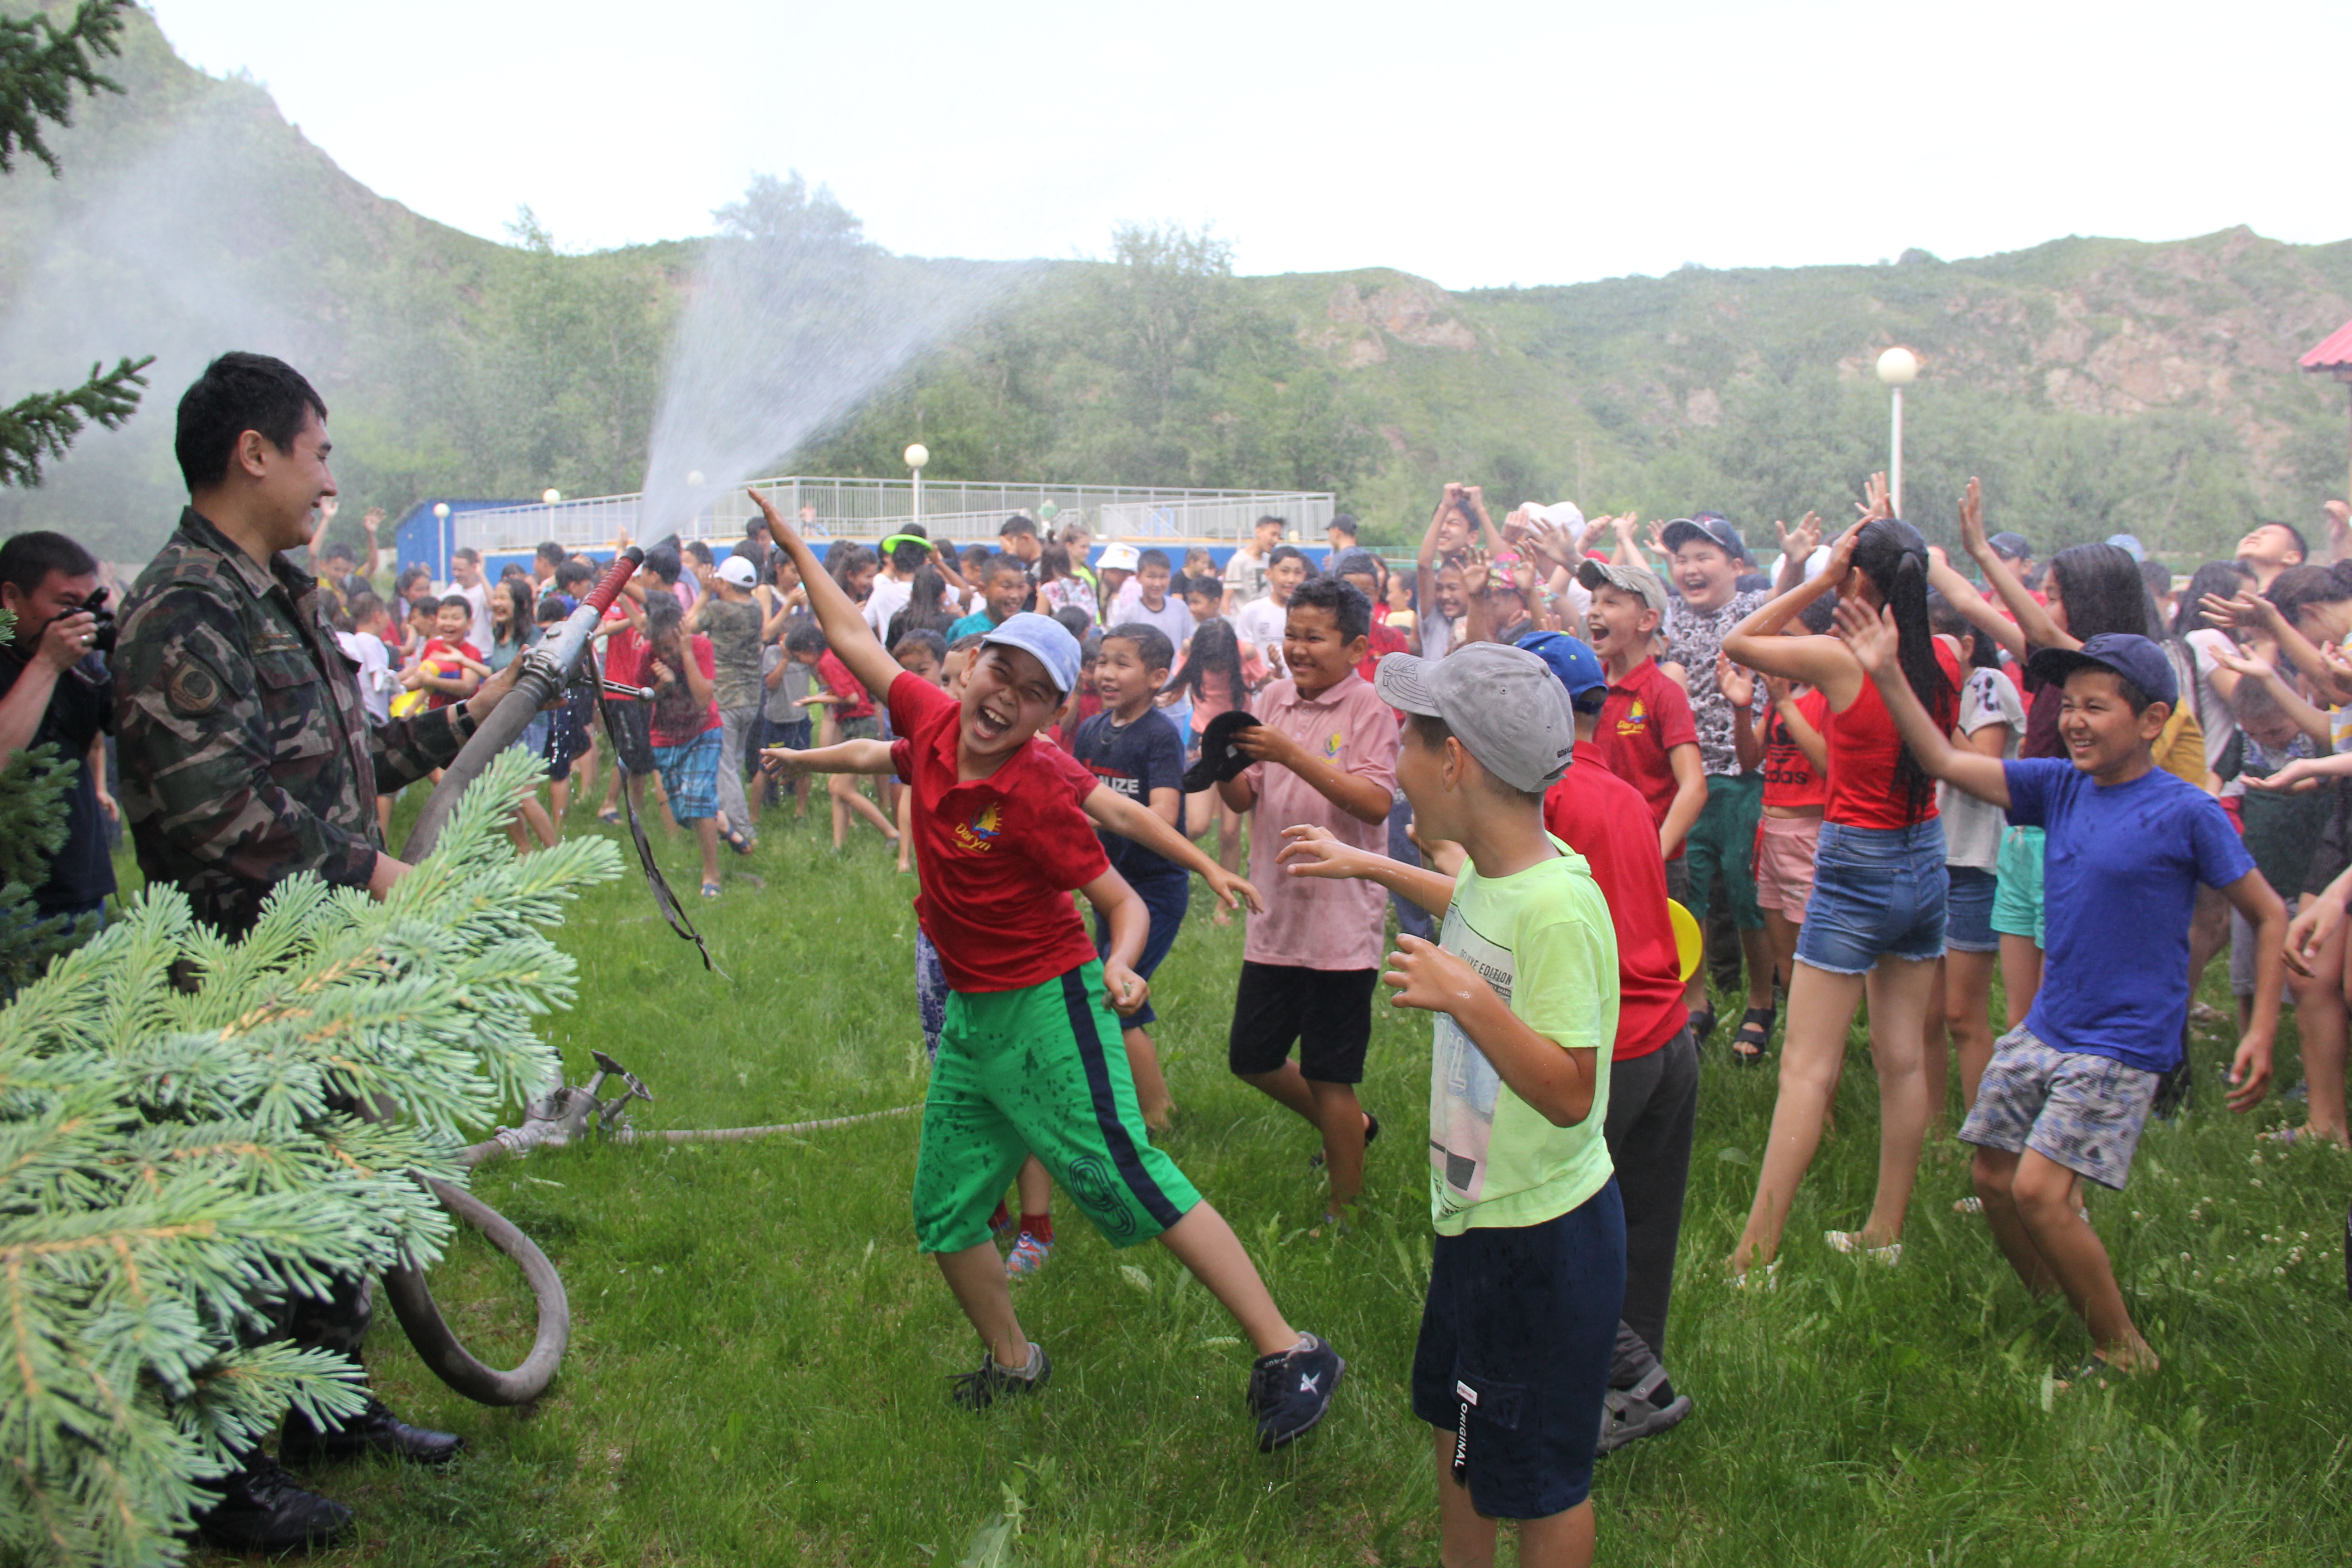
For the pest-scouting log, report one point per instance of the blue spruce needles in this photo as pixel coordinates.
(172, 1153)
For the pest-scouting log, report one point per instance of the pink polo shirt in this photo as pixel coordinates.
(1314, 923)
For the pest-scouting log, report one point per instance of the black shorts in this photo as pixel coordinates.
(1326, 1012)
(1678, 881)
(1516, 1339)
(631, 725)
(567, 734)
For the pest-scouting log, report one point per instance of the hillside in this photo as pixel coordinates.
(2097, 384)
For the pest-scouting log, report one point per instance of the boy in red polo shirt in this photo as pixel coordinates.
(1023, 1064)
(1645, 734)
(1653, 1066)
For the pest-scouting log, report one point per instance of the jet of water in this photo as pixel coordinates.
(794, 320)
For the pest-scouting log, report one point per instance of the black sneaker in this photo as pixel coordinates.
(262, 1509)
(376, 1430)
(978, 1390)
(1629, 1414)
(1290, 1390)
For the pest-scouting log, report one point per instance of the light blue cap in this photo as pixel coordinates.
(1045, 640)
(2129, 545)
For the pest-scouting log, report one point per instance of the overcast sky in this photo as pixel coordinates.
(1474, 142)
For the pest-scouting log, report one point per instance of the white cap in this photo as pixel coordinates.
(738, 569)
(1118, 558)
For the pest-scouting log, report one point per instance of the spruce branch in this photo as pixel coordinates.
(43, 426)
(41, 64)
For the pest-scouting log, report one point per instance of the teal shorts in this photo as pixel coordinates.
(1724, 839)
(2017, 902)
(1044, 1071)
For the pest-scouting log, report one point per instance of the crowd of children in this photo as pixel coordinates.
(1882, 778)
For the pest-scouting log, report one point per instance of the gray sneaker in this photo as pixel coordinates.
(1627, 1414)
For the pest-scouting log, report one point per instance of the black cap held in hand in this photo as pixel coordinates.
(1219, 759)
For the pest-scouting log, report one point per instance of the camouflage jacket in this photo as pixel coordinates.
(247, 756)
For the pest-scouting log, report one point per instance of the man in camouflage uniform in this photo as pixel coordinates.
(246, 758)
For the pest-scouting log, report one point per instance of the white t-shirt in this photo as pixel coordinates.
(479, 596)
(1261, 622)
(890, 596)
(1972, 827)
(2214, 713)
(375, 677)
(1172, 618)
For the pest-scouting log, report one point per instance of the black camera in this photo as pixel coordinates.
(102, 630)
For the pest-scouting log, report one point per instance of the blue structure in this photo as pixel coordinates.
(422, 538)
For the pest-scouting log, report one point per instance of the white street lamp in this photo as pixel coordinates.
(441, 535)
(1898, 367)
(550, 496)
(917, 455)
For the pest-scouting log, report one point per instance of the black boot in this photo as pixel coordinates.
(262, 1509)
(375, 1430)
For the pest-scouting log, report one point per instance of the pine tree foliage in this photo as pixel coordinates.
(171, 1154)
(42, 65)
(33, 788)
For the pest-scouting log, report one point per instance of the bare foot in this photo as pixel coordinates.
(1222, 917)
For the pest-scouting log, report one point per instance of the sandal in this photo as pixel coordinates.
(1755, 1036)
(609, 816)
(1702, 1025)
(733, 838)
(710, 890)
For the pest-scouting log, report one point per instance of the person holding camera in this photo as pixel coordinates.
(54, 689)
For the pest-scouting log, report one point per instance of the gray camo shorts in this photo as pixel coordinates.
(2084, 1112)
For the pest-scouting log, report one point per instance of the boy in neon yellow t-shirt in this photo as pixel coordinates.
(1529, 1269)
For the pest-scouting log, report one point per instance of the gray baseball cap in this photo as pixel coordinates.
(1503, 703)
(1631, 579)
(1046, 638)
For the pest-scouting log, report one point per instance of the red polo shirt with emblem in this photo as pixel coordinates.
(1592, 811)
(999, 854)
(1644, 717)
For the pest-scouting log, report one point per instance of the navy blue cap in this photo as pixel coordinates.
(2009, 546)
(1578, 667)
(2135, 658)
(1044, 638)
(1712, 527)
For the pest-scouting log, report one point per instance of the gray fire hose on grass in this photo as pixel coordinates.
(565, 1113)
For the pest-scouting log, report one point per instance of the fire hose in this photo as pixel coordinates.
(564, 1113)
(546, 672)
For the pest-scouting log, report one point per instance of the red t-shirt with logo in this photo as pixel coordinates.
(835, 676)
(1643, 718)
(1598, 814)
(999, 854)
(1790, 780)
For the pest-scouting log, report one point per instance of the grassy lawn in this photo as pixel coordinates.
(759, 1354)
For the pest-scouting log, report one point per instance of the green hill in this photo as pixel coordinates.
(2097, 384)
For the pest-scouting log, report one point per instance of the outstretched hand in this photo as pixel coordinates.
(1738, 686)
(2298, 777)
(1234, 892)
(2249, 610)
(1310, 851)
(1972, 533)
(1840, 559)
(1802, 540)
(1876, 503)
(1425, 975)
(784, 763)
(1869, 634)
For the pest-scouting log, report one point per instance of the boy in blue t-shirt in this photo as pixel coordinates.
(2125, 847)
(1134, 749)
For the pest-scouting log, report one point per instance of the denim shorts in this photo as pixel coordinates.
(1877, 891)
(2017, 907)
(1967, 911)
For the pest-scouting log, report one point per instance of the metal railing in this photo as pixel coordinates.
(868, 510)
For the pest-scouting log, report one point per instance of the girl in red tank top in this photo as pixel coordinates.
(1874, 922)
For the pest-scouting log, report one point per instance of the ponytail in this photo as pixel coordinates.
(1892, 555)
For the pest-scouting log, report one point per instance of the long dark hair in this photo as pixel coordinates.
(1946, 617)
(1891, 554)
(2223, 579)
(519, 620)
(1215, 646)
(922, 611)
(674, 704)
(2104, 592)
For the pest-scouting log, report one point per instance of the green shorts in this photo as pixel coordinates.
(1039, 1071)
(1724, 839)
(2017, 902)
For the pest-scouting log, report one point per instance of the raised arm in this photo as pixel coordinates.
(1962, 596)
(1738, 689)
(1797, 547)
(1424, 566)
(2308, 718)
(1810, 740)
(1757, 644)
(2032, 621)
(1873, 639)
(846, 757)
(1310, 851)
(854, 642)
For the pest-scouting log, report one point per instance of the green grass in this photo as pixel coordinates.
(758, 1354)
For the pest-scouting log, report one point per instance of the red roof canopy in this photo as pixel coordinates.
(2335, 354)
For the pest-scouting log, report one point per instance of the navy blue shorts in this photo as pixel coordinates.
(1967, 911)
(1166, 898)
(793, 732)
(1515, 1341)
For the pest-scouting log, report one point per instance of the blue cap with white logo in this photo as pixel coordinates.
(1045, 640)
(1578, 667)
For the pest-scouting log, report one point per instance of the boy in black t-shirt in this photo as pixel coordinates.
(1131, 746)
